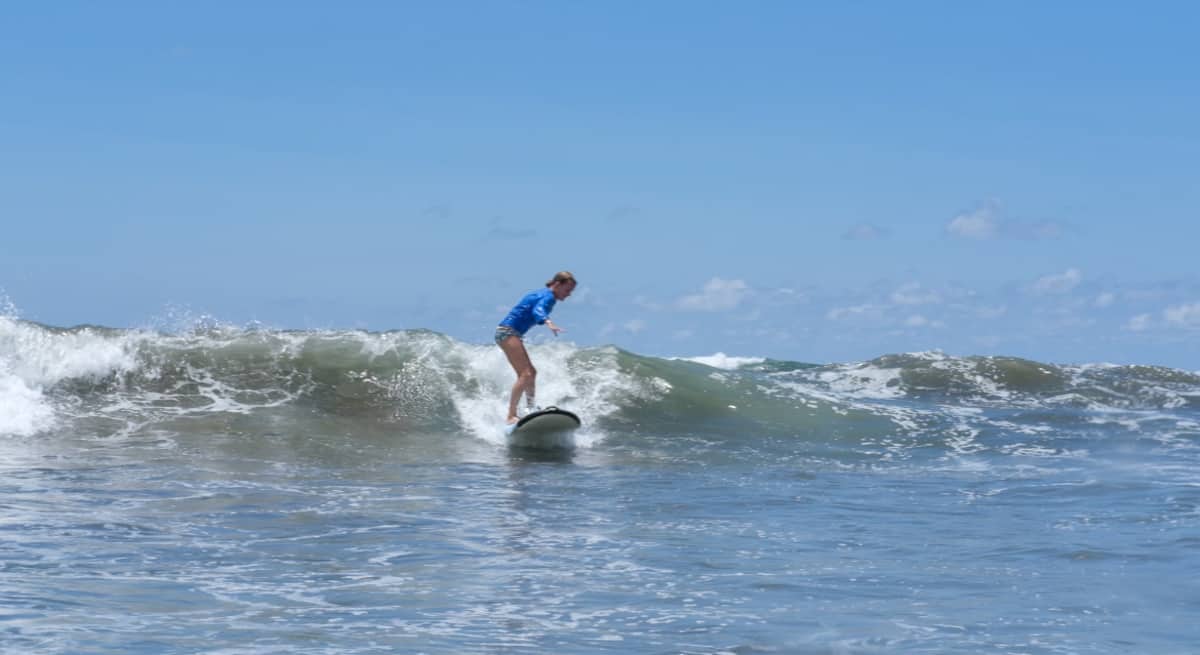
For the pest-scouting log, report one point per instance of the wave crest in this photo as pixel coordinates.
(108, 381)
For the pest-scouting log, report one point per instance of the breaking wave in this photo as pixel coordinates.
(102, 381)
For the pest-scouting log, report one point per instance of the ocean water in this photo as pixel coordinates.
(254, 491)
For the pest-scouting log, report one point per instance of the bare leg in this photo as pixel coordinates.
(518, 357)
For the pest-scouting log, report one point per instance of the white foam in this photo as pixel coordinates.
(42, 357)
(478, 378)
(863, 381)
(23, 411)
(723, 361)
(590, 389)
(33, 358)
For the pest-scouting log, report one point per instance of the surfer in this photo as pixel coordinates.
(533, 309)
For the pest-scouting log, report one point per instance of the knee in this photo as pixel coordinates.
(529, 374)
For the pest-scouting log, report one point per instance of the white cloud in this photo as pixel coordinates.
(986, 223)
(839, 313)
(1105, 299)
(1185, 316)
(1058, 283)
(633, 327)
(584, 296)
(646, 303)
(913, 294)
(783, 296)
(718, 296)
(917, 321)
(1139, 323)
(979, 224)
(865, 232)
(786, 295)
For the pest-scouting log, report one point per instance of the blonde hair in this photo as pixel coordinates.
(561, 276)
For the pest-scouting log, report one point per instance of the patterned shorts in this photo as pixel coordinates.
(503, 332)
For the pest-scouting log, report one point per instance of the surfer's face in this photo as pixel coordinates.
(563, 289)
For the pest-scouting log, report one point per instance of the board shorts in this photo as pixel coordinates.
(503, 332)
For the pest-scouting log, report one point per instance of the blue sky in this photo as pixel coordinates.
(817, 182)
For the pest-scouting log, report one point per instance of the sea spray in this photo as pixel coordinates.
(108, 381)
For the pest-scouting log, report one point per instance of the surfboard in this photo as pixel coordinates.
(546, 428)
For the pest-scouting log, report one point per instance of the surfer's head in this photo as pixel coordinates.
(562, 284)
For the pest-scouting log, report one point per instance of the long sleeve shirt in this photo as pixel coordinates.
(533, 309)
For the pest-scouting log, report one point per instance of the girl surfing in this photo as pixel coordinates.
(533, 309)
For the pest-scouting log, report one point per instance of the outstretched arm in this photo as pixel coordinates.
(541, 312)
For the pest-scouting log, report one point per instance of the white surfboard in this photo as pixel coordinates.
(546, 428)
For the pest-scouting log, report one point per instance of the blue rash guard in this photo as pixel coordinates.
(532, 310)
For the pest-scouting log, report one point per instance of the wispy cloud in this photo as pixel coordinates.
(1058, 283)
(635, 326)
(585, 295)
(1183, 316)
(919, 321)
(718, 295)
(854, 311)
(865, 232)
(980, 224)
(913, 294)
(987, 223)
(647, 303)
(990, 312)
(1139, 323)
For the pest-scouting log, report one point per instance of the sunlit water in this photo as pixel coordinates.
(763, 508)
(330, 544)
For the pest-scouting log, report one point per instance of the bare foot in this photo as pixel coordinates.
(512, 420)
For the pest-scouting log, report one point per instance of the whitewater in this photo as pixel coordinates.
(250, 490)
